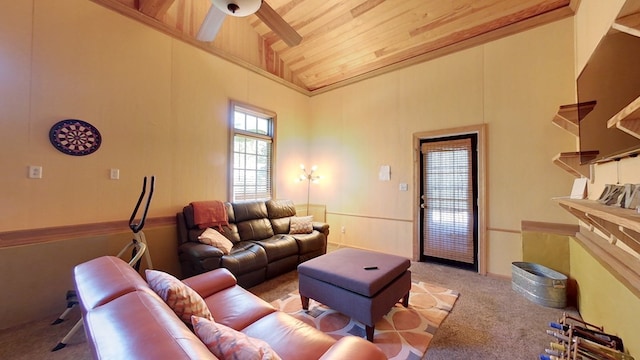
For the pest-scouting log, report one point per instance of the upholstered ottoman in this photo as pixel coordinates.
(362, 284)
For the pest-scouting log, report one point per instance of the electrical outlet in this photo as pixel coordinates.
(403, 187)
(35, 172)
(114, 174)
(343, 230)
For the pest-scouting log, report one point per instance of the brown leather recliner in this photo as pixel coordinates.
(263, 247)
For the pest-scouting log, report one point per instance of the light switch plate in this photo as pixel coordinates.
(35, 172)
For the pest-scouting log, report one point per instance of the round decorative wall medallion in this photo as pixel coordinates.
(75, 137)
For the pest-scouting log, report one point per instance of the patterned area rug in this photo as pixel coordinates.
(403, 334)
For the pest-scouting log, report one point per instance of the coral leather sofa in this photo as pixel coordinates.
(125, 319)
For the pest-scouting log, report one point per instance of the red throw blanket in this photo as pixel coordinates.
(210, 214)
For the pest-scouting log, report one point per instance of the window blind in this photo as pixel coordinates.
(448, 200)
(251, 169)
(252, 155)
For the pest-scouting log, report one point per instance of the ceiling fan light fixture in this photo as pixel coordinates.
(237, 8)
(233, 7)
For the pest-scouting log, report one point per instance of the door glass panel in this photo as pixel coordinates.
(448, 199)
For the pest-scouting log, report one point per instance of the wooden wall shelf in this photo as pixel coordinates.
(628, 119)
(567, 119)
(588, 210)
(567, 116)
(628, 20)
(570, 162)
(616, 224)
(610, 234)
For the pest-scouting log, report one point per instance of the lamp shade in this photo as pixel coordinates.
(237, 8)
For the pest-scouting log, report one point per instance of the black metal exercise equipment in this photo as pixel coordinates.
(138, 246)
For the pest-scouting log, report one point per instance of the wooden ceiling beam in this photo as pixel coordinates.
(155, 8)
(361, 60)
(423, 53)
(346, 41)
(364, 7)
(126, 8)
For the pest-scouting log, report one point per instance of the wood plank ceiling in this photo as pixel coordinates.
(347, 40)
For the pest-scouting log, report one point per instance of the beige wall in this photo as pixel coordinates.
(161, 107)
(37, 277)
(602, 299)
(513, 85)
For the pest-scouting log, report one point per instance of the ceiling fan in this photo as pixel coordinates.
(239, 8)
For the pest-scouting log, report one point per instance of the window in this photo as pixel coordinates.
(252, 133)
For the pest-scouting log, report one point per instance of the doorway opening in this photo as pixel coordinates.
(450, 190)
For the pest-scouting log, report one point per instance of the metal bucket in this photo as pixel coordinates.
(539, 284)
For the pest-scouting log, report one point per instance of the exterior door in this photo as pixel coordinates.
(449, 210)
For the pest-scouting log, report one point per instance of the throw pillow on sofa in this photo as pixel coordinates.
(214, 238)
(301, 225)
(183, 300)
(229, 344)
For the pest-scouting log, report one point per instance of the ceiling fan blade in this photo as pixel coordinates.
(211, 24)
(276, 23)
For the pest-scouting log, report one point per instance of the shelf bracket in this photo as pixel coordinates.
(600, 217)
(631, 239)
(581, 215)
(571, 162)
(568, 116)
(603, 226)
(628, 119)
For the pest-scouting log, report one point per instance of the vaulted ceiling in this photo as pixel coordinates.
(344, 41)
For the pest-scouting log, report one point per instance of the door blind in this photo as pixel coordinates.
(448, 200)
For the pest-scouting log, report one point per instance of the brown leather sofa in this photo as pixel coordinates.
(124, 319)
(263, 247)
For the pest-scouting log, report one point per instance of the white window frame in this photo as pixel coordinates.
(239, 167)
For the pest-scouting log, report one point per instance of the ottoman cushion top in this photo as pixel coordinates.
(345, 268)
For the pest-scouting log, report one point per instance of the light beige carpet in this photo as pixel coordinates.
(489, 321)
(402, 334)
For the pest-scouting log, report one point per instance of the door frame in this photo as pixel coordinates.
(481, 132)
